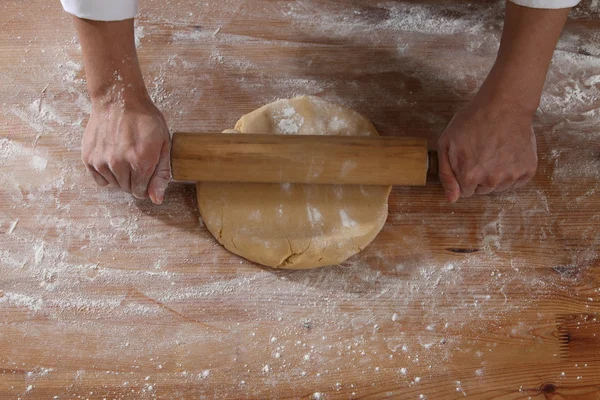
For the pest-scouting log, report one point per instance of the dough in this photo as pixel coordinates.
(295, 226)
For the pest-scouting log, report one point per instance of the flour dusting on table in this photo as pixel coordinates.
(92, 276)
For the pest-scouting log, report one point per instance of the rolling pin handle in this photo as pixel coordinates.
(432, 163)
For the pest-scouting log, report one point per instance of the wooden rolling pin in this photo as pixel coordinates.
(218, 157)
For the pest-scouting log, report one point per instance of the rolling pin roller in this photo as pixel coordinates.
(373, 160)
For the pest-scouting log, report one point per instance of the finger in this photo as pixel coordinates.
(467, 191)
(512, 182)
(162, 175)
(99, 179)
(140, 178)
(120, 171)
(468, 183)
(503, 187)
(446, 174)
(522, 181)
(106, 173)
(483, 189)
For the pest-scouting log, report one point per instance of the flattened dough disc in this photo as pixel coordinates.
(296, 226)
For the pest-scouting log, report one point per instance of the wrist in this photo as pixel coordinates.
(119, 93)
(504, 90)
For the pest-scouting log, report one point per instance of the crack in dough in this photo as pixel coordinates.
(297, 226)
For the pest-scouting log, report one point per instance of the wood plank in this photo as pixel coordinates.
(104, 296)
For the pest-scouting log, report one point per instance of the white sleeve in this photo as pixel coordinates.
(547, 3)
(101, 10)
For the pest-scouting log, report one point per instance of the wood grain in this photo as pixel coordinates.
(299, 159)
(105, 296)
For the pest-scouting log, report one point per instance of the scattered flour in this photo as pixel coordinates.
(139, 35)
(337, 124)
(288, 121)
(346, 220)
(347, 167)
(289, 126)
(288, 112)
(80, 256)
(313, 214)
(255, 215)
(38, 163)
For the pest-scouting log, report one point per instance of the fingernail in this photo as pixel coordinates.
(451, 196)
(160, 195)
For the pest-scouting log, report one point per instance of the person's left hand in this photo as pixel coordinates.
(486, 148)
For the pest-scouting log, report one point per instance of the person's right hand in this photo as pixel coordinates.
(128, 145)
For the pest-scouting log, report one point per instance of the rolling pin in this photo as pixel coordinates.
(367, 160)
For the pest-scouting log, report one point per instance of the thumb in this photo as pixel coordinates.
(162, 175)
(447, 177)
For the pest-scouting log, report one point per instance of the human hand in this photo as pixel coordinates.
(127, 145)
(487, 147)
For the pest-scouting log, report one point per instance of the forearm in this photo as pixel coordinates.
(111, 64)
(528, 42)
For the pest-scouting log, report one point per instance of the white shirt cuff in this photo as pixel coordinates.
(101, 10)
(553, 4)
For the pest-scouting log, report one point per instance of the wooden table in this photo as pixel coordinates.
(103, 296)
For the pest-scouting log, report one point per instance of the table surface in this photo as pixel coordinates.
(104, 296)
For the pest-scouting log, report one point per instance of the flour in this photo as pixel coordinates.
(191, 36)
(70, 70)
(139, 35)
(288, 112)
(21, 300)
(337, 124)
(418, 18)
(216, 57)
(290, 126)
(82, 256)
(38, 163)
(255, 215)
(592, 80)
(571, 94)
(347, 221)
(347, 167)
(314, 215)
(31, 121)
(12, 227)
(39, 252)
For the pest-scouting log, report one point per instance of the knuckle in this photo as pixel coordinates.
(140, 191)
(442, 141)
(446, 177)
(470, 178)
(86, 157)
(101, 167)
(493, 181)
(142, 169)
(138, 161)
(113, 161)
(520, 183)
(513, 176)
